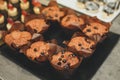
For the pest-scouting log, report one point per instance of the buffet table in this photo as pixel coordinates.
(102, 66)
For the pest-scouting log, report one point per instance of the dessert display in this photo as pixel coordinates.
(33, 30)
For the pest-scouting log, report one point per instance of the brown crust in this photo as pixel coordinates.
(33, 16)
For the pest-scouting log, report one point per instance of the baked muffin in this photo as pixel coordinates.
(81, 45)
(41, 51)
(95, 29)
(16, 39)
(36, 23)
(72, 21)
(52, 12)
(65, 60)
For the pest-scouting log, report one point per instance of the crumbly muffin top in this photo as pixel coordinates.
(72, 20)
(65, 60)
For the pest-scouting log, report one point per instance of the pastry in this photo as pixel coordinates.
(52, 12)
(16, 39)
(81, 45)
(36, 23)
(65, 62)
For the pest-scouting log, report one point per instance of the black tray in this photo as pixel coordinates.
(86, 70)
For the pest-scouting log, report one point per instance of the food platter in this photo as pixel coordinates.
(58, 33)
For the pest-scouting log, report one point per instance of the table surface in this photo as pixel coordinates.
(108, 70)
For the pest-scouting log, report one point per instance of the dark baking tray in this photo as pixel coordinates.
(86, 70)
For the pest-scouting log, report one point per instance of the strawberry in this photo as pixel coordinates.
(10, 6)
(24, 12)
(10, 20)
(36, 3)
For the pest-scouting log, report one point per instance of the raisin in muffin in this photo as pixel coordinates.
(65, 61)
(81, 45)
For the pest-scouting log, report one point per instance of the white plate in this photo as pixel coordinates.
(73, 5)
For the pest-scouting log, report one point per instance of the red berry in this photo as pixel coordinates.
(36, 3)
(10, 6)
(10, 20)
(24, 13)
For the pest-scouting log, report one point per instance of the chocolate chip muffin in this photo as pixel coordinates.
(72, 22)
(52, 12)
(16, 39)
(41, 51)
(36, 23)
(95, 31)
(81, 45)
(65, 61)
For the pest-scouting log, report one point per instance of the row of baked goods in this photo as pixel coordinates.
(27, 36)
